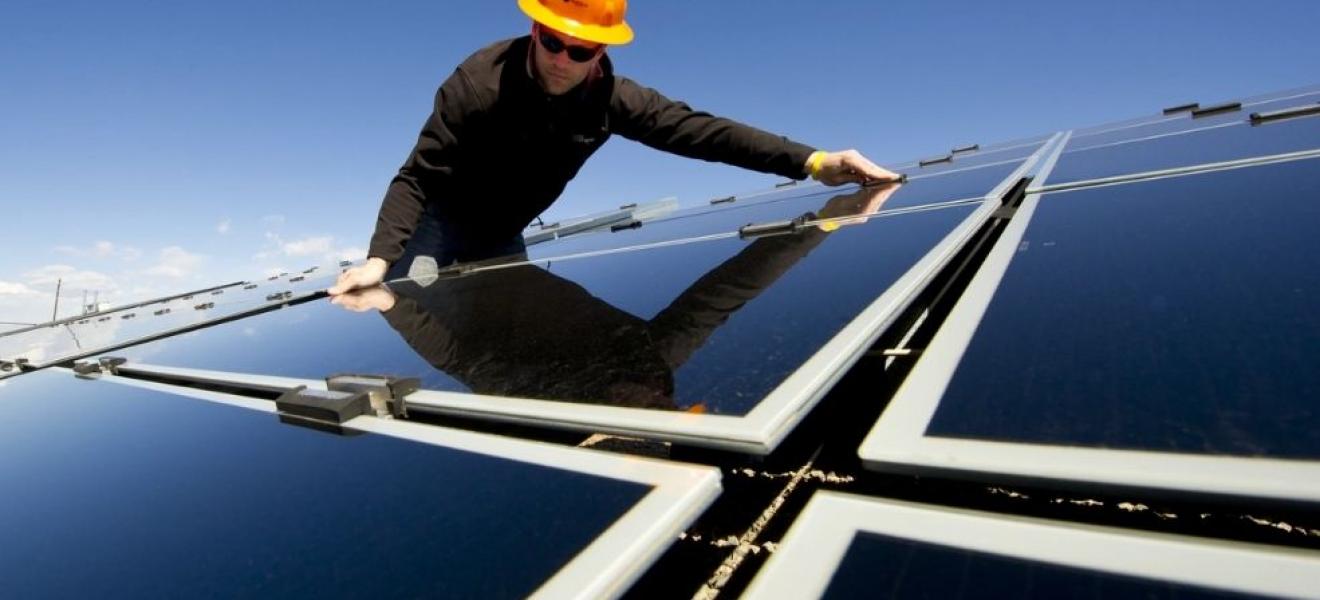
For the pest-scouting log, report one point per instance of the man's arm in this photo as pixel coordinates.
(643, 114)
(431, 162)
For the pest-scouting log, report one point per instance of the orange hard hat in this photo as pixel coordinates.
(599, 21)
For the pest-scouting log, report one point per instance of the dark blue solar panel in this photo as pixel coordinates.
(1182, 122)
(715, 323)
(969, 159)
(878, 566)
(963, 185)
(129, 493)
(1237, 141)
(56, 343)
(1172, 315)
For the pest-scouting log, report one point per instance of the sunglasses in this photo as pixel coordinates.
(554, 45)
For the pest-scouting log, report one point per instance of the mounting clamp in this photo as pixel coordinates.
(386, 395)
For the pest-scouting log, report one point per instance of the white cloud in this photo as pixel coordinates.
(73, 278)
(222, 227)
(102, 250)
(309, 246)
(176, 263)
(15, 289)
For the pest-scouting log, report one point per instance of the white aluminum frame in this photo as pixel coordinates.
(814, 546)
(757, 432)
(611, 562)
(898, 442)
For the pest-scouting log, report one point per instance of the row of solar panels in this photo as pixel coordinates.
(1141, 323)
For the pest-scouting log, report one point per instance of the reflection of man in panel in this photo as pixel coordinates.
(524, 332)
(522, 116)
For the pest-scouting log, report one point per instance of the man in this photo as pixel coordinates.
(520, 117)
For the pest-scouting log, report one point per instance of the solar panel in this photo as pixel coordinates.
(86, 335)
(6, 330)
(1179, 117)
(1234, 138)
(144, 490)
(727, 339)
(846, 546)
(1152, 334)
(967, 183)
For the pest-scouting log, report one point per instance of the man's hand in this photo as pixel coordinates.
(364, 276)
(849, 166)
(377, 297)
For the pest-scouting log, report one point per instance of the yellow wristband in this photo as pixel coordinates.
(814, 162)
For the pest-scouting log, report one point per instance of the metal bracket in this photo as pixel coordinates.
(92, 370)
(902, 178)
(1216, 109)
(625, 226)
(1190, 106)
(1286, 113)
(386, 395)
(967, 148)
(724, 200)
(760, 230)
(322, 410)
(926, 162)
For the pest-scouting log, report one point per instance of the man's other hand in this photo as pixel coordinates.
(364, 276)
(376, 297)
(849, 166)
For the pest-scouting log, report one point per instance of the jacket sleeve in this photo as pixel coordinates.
(684, 326)
(431, 162)
(643, 114)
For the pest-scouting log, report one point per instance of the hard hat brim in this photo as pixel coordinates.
(614, 35)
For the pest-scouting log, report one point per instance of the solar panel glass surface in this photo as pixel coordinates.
(133, 493)
(973, 183)
(713, 325)
(1232, 140)
(848, 545)
(879, 566)
(1184, 122)
(94, 333)
(1171, 315)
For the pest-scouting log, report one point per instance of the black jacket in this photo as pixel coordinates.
(497, 150)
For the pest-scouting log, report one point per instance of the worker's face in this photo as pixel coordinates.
(559, 73)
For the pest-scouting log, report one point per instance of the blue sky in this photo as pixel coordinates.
(151, 147)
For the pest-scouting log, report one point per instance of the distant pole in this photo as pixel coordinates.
(84, 304)
(58, 284)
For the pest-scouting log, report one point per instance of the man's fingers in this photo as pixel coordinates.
(348, 280)
(867, 169)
